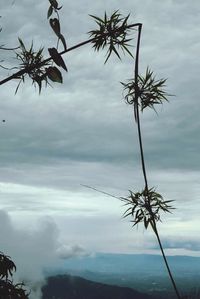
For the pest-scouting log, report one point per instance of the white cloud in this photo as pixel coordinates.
(66, 251)
(33, 250)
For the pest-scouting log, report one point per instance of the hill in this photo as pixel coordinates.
(71, 287)
(144, 273)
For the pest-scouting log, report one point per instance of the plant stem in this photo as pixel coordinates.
(26, 70)
(136, 107)
(166, 263)
(137, 116)
(18, 74)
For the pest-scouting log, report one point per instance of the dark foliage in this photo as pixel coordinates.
(145, 207)
(9, 290)
(112, 33)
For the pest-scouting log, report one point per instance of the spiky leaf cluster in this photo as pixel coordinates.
(112, 33)
(145, 207)
(35, 66)
(39, 70)
(145, 91)
(33, 63)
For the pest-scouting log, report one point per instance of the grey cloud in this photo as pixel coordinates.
(91, 121)
(33, 250)
(65, 252)
(81, 131)
(181, 243)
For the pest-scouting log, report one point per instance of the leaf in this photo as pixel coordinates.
(57, 58)
(55, 25)
(54, 3)
(146, 223)
(63, 41)
(38, 80)
(21, 44)
(114, 49)
(50, 11)
(54, 74)
(96, 18)
(127, 50)
(18, 85)
(39, 53)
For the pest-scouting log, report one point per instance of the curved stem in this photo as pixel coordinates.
(166, 262)
(141, 149)
(136, 107)
(137, 117)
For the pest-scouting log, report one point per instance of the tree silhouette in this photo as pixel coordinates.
(141, 92)
(8, 289)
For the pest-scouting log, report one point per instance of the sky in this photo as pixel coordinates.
(81, 132)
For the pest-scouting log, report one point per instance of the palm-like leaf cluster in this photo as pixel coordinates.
(113, 33)
(145, 207)
(33, 63)
(146, 91)
(37, 68)
(7, 288)
(7, 267)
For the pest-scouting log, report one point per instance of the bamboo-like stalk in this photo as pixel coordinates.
(137, 114)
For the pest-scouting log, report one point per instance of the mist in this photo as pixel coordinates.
(33, 250)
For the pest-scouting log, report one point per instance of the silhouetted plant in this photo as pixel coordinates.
(6, 266)
(149, 91)
(28, 58)
(9, 290)
(112, 33)
(145, 207)
(141, 92)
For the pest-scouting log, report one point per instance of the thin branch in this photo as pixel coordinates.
(7, 68)
(8, 49)
(100, 191)
(26, 70)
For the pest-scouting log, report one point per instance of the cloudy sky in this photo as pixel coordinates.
(82, 132)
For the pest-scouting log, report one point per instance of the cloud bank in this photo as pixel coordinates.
(34, 250)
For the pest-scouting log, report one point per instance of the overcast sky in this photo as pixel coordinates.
(82, 132)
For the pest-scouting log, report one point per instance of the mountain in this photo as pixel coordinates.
(144, 273)
(131, 263)
(71, 287)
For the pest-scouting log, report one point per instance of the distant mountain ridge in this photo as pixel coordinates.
(124, 263)
(70, 287)
(144, 273)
